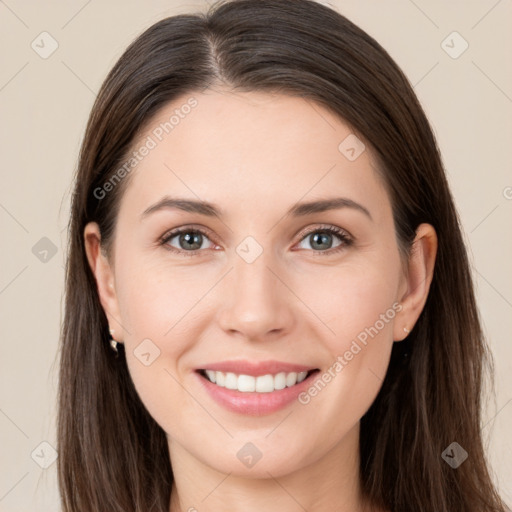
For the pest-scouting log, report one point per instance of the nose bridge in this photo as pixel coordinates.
(253, 278)
(256, 303)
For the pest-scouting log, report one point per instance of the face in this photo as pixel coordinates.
(266, 290)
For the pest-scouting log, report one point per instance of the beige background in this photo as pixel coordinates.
(44, 105)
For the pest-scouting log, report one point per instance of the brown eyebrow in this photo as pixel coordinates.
(187, 205)
(298, 210)
(324, 205)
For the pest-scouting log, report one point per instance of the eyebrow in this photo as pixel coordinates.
(298, 210)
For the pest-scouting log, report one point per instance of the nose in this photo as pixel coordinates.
(257, 303)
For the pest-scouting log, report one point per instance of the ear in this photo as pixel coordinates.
(104, 274)
(418, 280)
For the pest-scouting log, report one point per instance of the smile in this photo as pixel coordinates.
(250, 384)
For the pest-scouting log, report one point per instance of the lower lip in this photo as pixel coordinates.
(254, 404)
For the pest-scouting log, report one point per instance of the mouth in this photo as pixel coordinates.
(267, 383)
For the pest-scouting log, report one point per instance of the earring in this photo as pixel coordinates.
(406, 330)
(113, 342)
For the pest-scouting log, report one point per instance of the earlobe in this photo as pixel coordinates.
(103, 273)
(419, 278)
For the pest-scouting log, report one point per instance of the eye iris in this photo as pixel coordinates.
(322, 238)
(192, 239)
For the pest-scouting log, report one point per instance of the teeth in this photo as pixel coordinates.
(248, 383)
(211, 375)
(291, 379)
(231, 381)
(301, 376)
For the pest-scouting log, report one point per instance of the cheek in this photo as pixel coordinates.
(163, 314)
(352, 299)
(160, 301)
(358, 305)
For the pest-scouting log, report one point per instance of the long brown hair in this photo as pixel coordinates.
(112, 454)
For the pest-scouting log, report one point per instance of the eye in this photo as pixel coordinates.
(321, 239)
(188, 240)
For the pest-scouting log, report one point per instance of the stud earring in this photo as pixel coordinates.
(406, 330)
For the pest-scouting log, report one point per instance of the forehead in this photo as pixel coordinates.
(250, 149)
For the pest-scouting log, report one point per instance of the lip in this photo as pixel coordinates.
(256, 368)
(254, 404)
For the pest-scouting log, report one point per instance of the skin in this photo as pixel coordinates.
(255, 155)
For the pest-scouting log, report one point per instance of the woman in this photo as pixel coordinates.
(269, 304)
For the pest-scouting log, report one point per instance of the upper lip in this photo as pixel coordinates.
(256, 368)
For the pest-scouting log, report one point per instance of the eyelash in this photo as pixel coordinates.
(346, 240)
